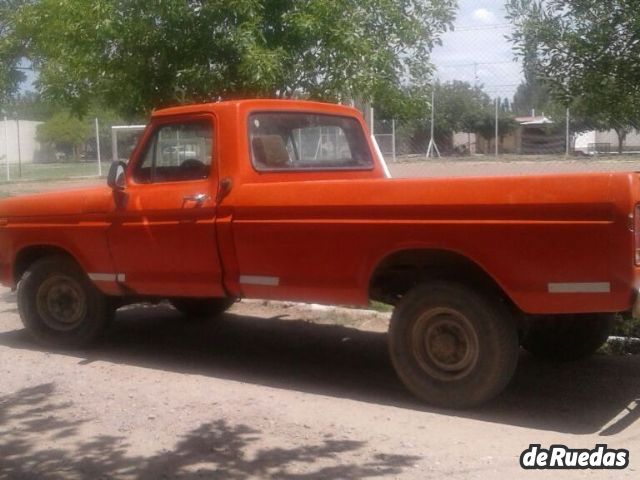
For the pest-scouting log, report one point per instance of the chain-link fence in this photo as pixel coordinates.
(484, 107)
(24, 157)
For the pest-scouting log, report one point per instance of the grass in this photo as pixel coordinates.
(380, 307)
(50, 171)
(627, 326)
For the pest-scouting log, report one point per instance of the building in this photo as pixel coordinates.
(535, 135)
(606, 142)
(28, 149)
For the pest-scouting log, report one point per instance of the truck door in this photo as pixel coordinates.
(162, 236)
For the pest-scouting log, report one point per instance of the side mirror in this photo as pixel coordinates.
(116, 177)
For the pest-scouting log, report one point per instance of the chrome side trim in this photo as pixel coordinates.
(106, 277)
(593, 287)
(102, 277)
(259, 280)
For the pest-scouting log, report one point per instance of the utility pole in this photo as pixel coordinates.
(432, 150)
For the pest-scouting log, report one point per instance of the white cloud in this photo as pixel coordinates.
(483, 15)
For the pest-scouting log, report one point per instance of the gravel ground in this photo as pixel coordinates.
(283, 391)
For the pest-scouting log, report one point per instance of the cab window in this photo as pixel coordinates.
(304, 141)
(177, 152)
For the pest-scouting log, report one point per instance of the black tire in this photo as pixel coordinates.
(202, 308)
(59, 306)
(451, 346)
(567, 337)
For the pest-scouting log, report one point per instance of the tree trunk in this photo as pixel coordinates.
(622, 135)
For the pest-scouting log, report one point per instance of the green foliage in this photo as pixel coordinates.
(65, 131)
(459, 107)
(30, 106)
(486, 125)
(11, 51)
(531, 95)
(138, 54)
(627, 327)
(587, 52)
(69, 133)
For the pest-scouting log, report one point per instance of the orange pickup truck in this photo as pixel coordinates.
(289, 200)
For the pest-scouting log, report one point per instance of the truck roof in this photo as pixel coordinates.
(256, 104)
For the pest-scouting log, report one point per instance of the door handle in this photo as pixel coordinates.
(198, 198)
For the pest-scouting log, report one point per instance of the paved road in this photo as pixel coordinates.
(278, 392)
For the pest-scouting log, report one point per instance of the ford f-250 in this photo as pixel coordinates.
(289, 200)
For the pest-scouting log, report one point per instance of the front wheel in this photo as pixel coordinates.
(59, 305)
(451, 346)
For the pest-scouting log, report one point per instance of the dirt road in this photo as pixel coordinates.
(278, 391)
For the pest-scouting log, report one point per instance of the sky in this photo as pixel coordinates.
(477, 51)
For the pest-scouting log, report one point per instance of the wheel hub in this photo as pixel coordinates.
(445, 344)
(61, 302)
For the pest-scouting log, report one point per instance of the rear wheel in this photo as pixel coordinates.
(567, 337)
(59, 305)
(202, 308)
(451, 346)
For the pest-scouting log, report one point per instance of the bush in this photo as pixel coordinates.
(627, 326)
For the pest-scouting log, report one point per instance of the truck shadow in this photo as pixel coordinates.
(599, 394)
(33, 422)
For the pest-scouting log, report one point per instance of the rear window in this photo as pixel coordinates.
(303, 141)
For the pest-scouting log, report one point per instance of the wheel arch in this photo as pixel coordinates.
(397, 272)
(26, 256)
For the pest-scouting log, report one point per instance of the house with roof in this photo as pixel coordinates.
(535, 135)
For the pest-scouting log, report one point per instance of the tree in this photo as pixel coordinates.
(532, 95)
(458, 108)
(30, 106)
(485, 126)
(64, 131)
(11, 52)
(136, 55)
(587, 52)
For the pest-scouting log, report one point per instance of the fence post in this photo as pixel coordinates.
(497, 128)
(568, 137)
(98, 148)
(19, 149)
(6, 148)
(393, 139)
(372, 126)
(114, 145)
